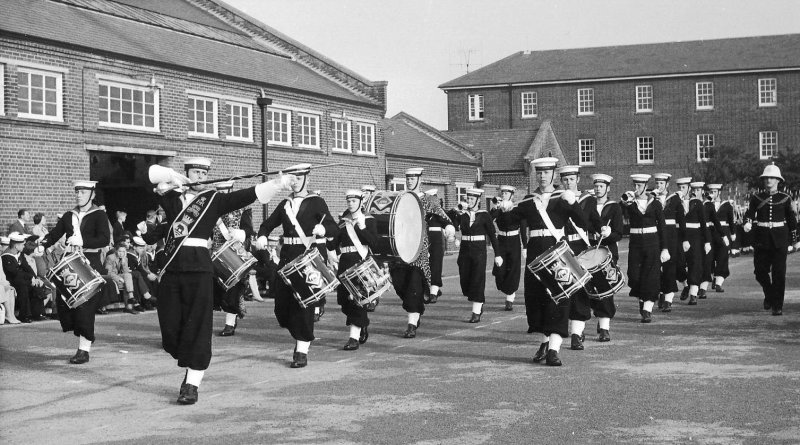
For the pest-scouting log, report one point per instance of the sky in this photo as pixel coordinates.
(417, 45)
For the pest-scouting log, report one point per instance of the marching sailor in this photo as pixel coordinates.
(367, 190)
(674, 235)
(436, 249)
(714, 230)
(698, 240)
(721, 237)
(509, 248)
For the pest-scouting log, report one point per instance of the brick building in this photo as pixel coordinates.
(102, 89)
(638, 108)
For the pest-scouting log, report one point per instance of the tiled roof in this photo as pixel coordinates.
(406, 136)
(675, 58)
(503, 150)
(101, 32)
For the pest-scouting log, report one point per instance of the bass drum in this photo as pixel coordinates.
(400, 222)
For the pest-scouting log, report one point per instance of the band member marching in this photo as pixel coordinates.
(715, 231)
(475, 226)
(647, 248)
(366, 193)
(773, 222)
(436, 248)
(357, 234)
(610, 233)
(509, 247)
(674, 235)
(186, 287)
(86, 228)
(698, 240)
(722, 237)
(303, 216)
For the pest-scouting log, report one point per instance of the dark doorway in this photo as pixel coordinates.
(122, 184)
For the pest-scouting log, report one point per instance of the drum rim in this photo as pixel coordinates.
(608, 258)
(79, 297)
(392, 214)
(224, 246)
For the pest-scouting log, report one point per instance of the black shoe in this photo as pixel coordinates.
(411, 331)
(101, 311)
(80, 357)
(718, 288)
(351, 345)
(552, 358)
(541, 353)
(646, 317)
(767, 306)
(370, 307)
(685, 293)
(577, 344)
(40, 318)
(476, 318)
(660, 301)
(299, 360)
(604, 336)
(667, 307)
(138, 308)
(228, 331)
(509, 306)
(701, 294)
(776, 311)
(130, 310)
(188, 394)
(692, 300)
(431, 298)
(364, 336)
(26, 319)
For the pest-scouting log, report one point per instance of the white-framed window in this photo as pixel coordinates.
(476, 107)
(645, 150)
(279, 126)
(128, 106)
(461, 191)
(309, 130)
(341, 135)
(397, 185)
(586, 152)
(585, 101)
(239, 124)
(202, 116)
(705, 143)
(40, 94)
(530, 105)
(2, 89)
(366, 138)
(767, 92)
(704, 95)
(644, 98)
(767, 144)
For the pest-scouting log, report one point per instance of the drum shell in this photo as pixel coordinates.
(309, 277)
(607, 279)
(559, 271)
(83, 281)
(365, 281)
(400, 223)
(231, 266)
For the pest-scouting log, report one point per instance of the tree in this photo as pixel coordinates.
(788, 159)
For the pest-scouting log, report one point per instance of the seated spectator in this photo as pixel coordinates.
(145, 282)
(117, 271)
(22, 279)
(8, 298)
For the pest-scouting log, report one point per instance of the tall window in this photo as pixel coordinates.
(366, 138)
(767, 92)
(128, 106)
(644, 98)
(530, 107)
(39, 94)
(586, 151)
(475, 107)
(704, 95)
(397, 185)
(767, 144)
(341, 135)
(239, 124)
(645, 150)
(585, 101)
(202, 116)
(279, 125)
(705, 142)
(309, 130)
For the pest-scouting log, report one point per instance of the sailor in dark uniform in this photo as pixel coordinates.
(722, 238)
(714, 230)
(476, 228)
(698, 240)
(185, 291)
(509, 248)
(367, 191)
(86, 228)
(674, 234)
(304, 218)
(436, 223)
(773, 222)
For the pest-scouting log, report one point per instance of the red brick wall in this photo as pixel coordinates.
(440, 175)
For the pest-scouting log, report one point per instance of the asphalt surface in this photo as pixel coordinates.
(722, 372)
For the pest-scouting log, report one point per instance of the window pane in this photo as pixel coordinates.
(50, 82)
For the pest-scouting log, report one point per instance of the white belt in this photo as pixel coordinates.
(539, 232)
(643, 230)
(473, 238)
(434, 229)
(709, 224)
(509, 233)
(292, 240)
(97, 250)
(770, 224)
(196, 242)
(723, 223)
(320, 240)
(574, 237)
(349, 249)
(692, 225)
(669, 222)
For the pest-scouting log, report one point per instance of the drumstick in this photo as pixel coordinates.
(601, 235)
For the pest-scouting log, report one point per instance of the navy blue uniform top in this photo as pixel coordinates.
(653, 216)
(766, 208)
(696, 216)
(94, 229)
(482, 225)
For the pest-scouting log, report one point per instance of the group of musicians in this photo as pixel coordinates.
(674, 237)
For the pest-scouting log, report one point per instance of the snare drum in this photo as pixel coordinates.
(606, 279)
(309, 277)
(559, 271)
(76, 279)
(400, 222)
(365, 281)
(232, 263)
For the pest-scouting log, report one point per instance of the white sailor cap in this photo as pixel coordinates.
(474, 192)
(353, 193)
(367, 188)
(414, 171)
(199, 163)
(16, 237)
(600, 177)
(508, 188)
(569, 170)
(431, 192)
(298, 169)
(697, 184)
(224, 185)
(640, 177)
(544, 163)
(714, 186)
(682, 181)
(138, 241)
(662, 176)
(85, 185)
(4, 241)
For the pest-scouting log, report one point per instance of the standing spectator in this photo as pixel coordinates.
(22, 279)
(117, 270)
(118, 228)
(22, 224)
